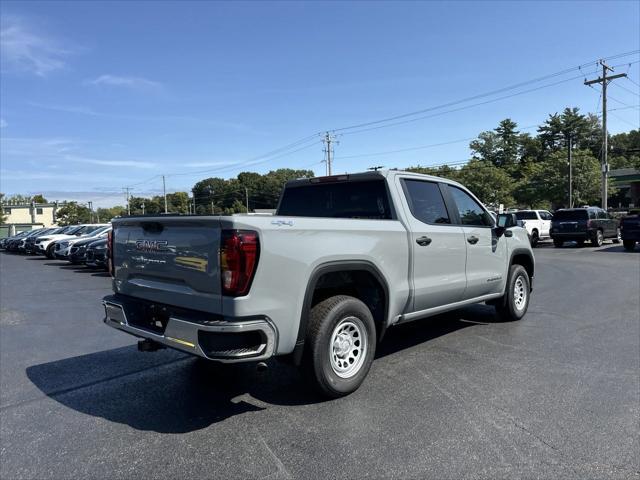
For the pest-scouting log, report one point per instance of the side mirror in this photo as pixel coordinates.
(507, 220)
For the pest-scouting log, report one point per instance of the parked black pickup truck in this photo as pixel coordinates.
(630, 229)
(583, 224)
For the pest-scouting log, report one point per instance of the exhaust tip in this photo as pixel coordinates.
(262, 367)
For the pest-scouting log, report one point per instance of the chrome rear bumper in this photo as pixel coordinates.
(189, 336)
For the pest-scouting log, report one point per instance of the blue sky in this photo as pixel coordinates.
(98, 96)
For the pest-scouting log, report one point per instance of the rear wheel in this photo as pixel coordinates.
(629, 245)
(535, 238)
(597, 239)
(515, 302)
(557, 243)
(579, 243)
(340, 345)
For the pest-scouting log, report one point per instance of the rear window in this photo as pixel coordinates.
(367, 199)
(561, 215)
(526, 216)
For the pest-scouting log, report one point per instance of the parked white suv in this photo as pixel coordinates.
(537, 223)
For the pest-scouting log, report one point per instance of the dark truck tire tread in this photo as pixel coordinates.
(322, 320)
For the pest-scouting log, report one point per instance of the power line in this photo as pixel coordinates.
(421, 147)
(482, 95)
(626, 89)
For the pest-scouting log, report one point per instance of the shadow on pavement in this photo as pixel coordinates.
(616, 249)
(171, 392)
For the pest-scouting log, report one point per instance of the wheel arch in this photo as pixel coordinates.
(522, 256)
(354, 270)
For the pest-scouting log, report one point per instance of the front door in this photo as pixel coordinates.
(545, 223)
(486, 252)
(437, 244)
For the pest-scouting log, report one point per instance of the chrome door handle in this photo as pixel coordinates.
(423, 241)
(472, 240)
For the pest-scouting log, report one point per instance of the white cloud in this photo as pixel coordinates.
(3, 123)
(136, 83)
(22, 49)
(111, 163)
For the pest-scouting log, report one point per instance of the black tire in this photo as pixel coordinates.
(557, 243)
(325, 320)
(511, 308)
(617, 238)
(49, 252)
(534, 239)
(597, 239)
(579, 243)
(629, 245)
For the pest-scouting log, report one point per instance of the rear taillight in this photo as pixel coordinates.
(110, 252)
(239, 252)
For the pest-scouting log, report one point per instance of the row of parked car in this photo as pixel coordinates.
(78, 244)
(580, 225)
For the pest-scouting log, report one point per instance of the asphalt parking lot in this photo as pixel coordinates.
(556, 395)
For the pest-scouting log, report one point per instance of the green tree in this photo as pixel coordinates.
(491, 184)
(152, 206)
(39, 198)
(72, 213)
(106, 214)
(177, 202)
(550, 182)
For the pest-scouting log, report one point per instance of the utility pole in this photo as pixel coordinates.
(142, 206)
(212, 210)
(194, 201)
(164, 191)
(246, 198)
(569, 147)
(128, 189)
(328, 140)
(90, 211)
(605, 165)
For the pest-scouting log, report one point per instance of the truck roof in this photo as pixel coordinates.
(362, 176)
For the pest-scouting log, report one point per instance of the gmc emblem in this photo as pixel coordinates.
(151, 245)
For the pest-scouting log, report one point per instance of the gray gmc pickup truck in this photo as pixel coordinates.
(344, 258)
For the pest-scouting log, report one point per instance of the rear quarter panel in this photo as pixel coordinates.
(291, 248)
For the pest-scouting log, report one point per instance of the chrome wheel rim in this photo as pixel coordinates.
(348, 347)
(520, 293)
(599, 238)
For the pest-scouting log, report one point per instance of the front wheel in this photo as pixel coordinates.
(49, 252)
(597, 239)
(340, 345)
(535, 238)
(515, 302)
(629, 245)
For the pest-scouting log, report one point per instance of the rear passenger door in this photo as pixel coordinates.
(437, 245)
(486, 252)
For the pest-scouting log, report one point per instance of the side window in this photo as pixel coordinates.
(547, 216)
(38, 211)
(592, 215)
(471, 213)
(426, 202)
(602, 214)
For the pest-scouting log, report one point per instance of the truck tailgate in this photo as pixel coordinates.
(170, 260)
